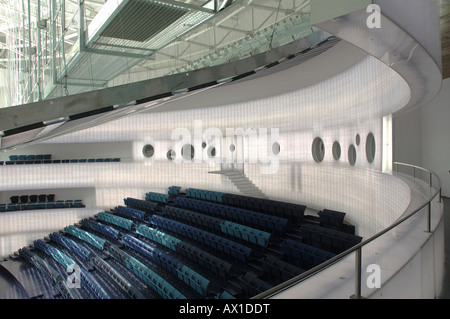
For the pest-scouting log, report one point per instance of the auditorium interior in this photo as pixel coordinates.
(224, 149)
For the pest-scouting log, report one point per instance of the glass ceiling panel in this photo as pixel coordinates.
(125, 41)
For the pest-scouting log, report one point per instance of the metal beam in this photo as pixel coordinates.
(188, 6)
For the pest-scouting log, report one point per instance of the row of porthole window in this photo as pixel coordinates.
(187, 151)
(318, 149)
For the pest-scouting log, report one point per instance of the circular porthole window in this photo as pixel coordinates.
(148, 151)
(211, 152)
(352, 155)
(276, 148)
(370, 148)
(203, 144)
(336, 150)
(232, 147)
(171, 155)
(357, 139)
(187, 151)
(318, 150)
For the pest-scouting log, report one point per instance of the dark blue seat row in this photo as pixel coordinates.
(258, 220)
(213, 241)
(61, 161)
(16, 199)
(254, 285)
(170, 264)
(308, 255)
(86, 280)
(140, 204)
(242, 232)
(328, 239)
(280, 270)
(71, 245)
(130, 212)
(191, 217)
(292, 212)
(106, 230)
(42, 205)
(197, 255)
(329, 217)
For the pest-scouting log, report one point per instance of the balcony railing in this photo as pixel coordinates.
(418, 174)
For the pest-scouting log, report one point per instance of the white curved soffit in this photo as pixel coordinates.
(366, 89)
(394, 47)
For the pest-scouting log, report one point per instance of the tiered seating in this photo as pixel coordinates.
(239, 231)
(156, 282)
(290, 211)
(307, 255)
(246, 233)
(191, 217)
(115, 220)
(174, 190)
(254, 285)
(225, 295)
(130, 213)
(331, 218)
(258, 220)
(218, 243)
(280, 270)
(209, 196)
(47, 159)
(131, 290)
(43, 201)
(328, 239)
(86, 236)
(199, 256)
(55, 253)
(73, 246)
(140, 204)
(158, 236)
(188, 246)
(103, 229)
(157, 197)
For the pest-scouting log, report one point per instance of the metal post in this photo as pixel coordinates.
(81, 34)
(53, 39)
(429, 217)
(39, 51)
(358, 259)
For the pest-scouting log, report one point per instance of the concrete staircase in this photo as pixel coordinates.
(242, 182)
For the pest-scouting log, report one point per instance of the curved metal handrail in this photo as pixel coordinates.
(358, 247)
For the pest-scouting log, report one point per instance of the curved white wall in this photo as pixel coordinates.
(336, 109)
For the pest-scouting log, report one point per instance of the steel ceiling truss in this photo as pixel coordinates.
(62, 47)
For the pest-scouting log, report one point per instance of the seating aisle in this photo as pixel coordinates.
(192, 244)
